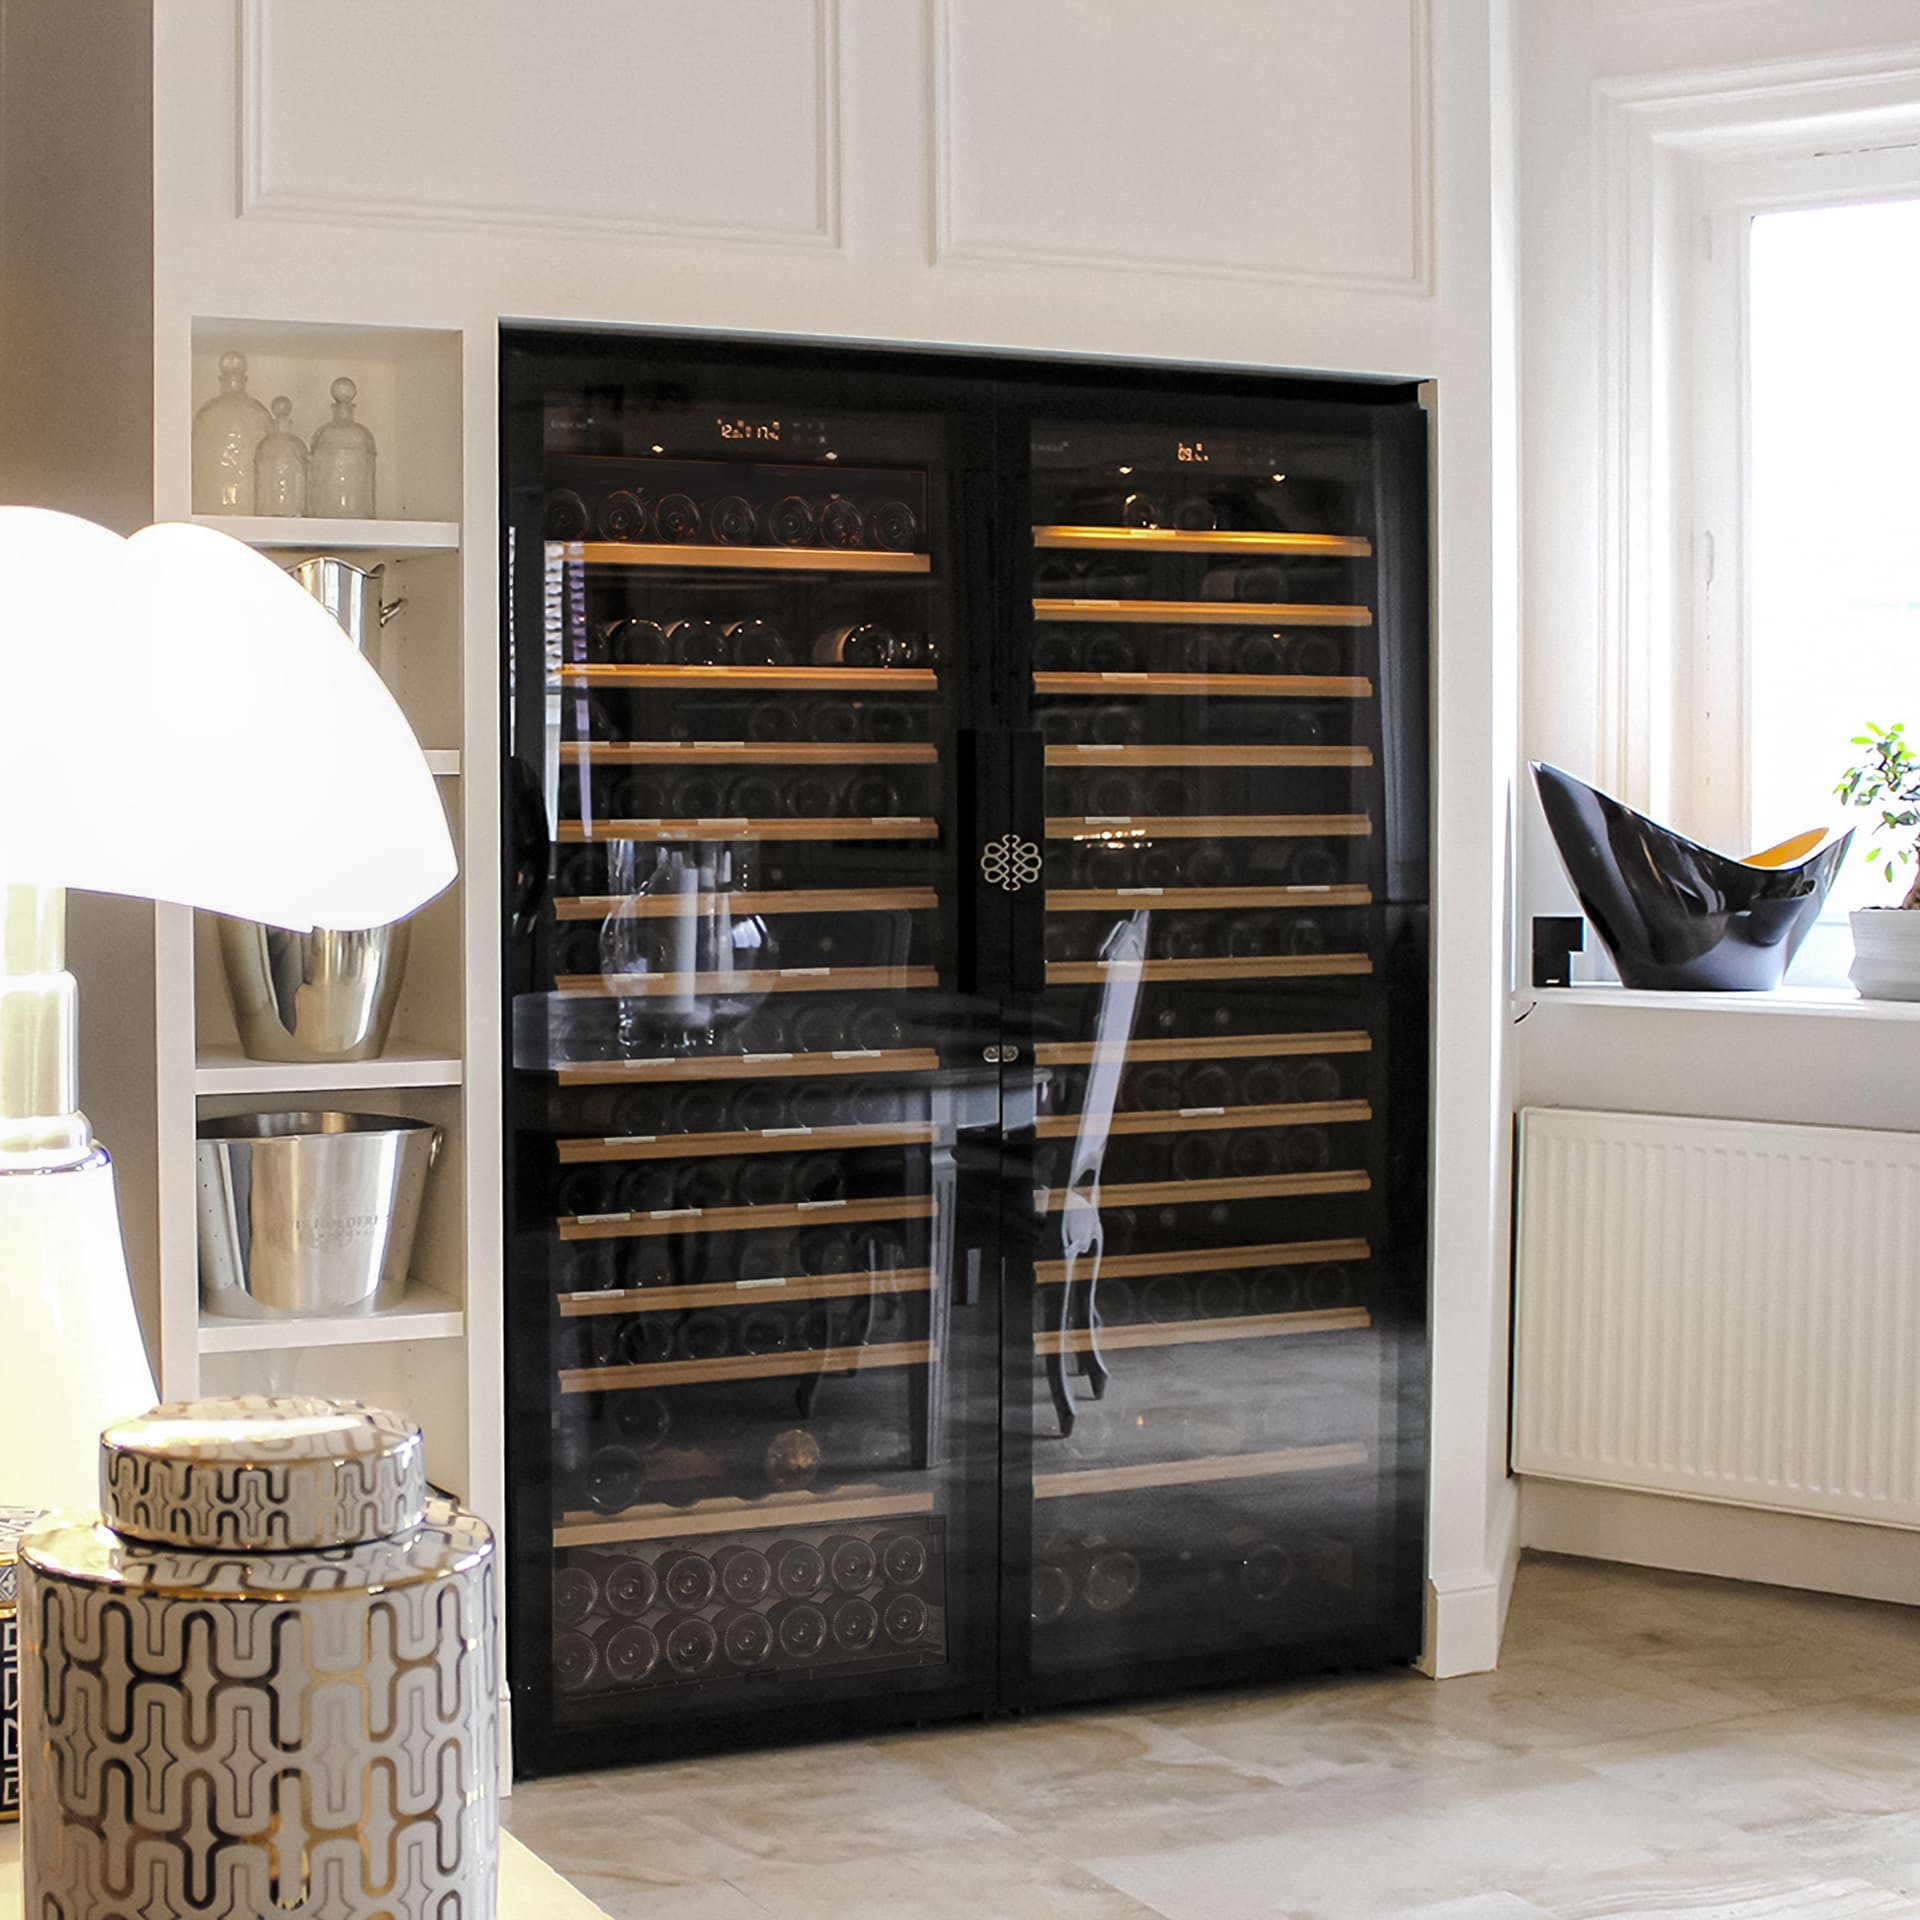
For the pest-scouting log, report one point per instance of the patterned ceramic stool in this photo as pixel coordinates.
(14, 1521)
(267, 1684)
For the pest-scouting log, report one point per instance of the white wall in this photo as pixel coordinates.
(1756, 1066)
(1271, 183)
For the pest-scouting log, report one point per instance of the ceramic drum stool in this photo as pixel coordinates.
(14, 1521)
(267, 1683)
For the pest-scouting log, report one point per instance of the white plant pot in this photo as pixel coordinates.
(1886, 953)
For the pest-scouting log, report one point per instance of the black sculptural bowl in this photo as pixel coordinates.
(1675, 914)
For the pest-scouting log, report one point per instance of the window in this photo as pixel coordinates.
(1806, 497)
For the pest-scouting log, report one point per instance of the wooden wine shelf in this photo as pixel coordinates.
(733, 827)
(1245, 966)
(746, 1293)
(1244, 1046)
(647, 986)
(1203, 613)
(1207, 540)
(1250, 686)
(1099, 899)
(1189, 1333)
(1269, 1186)
(755, 1066)
(750, 1366)
(803, 1213)
(1196, 1473)
(779, 679)
(786, 753)
(1095, 755)
(637, 553)
(730, 1515)
(1275, 1253)
(1202, 826)
(643, 906)
(680, 1146)
(1299, 1113)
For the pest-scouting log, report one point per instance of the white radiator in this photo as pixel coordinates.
(1722, 1310)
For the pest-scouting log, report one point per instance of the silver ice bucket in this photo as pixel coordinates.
(324, 995)
(309, 1213)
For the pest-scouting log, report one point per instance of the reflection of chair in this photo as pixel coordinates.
(1675, 914)
(1125, 956)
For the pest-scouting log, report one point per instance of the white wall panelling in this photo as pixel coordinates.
(1277, 140)
(709, 120)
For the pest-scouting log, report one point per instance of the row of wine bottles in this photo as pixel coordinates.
(1282, 1080)
(758, 1106)
(792, 1633)
(1105, 1579)
(701, 1259)
(701, 642)
(1089, 789)
(1142, 861)
(1273, 718)
(618, 1474)
(1164, 1299)
(1183, 649)
(1171, 500)
(1191, 935)
(759, 1180)
(731, 520)
(1245, 1154)
(809, 794)
(614, 714)
(712, 1333)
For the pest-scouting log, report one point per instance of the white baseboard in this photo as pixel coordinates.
(1731, 1543)
(1467, 1611)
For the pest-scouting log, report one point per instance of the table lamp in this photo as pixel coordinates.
(179, 721)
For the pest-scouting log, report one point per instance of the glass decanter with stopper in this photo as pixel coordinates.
(340, 468)
(227, 433)
(280, 466)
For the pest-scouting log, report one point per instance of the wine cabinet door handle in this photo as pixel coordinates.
(1003, 822)
(1027, 808)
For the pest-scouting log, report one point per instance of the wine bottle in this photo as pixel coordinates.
(631, 1589)
(903, 1558)
(704, 1184)
(1195, 513)
(647, 1188)
(853, 1624)
(813, 796)
(640, 1416)
(1276, 1290)
(1308, 1150)
(1113, 1301)
(697, 643)
(852, 1564)
(832, 720)
(639, 643)
(823, 1250)
(790, 1462)
(1327, 1285)
(580, 1190)
(613, 1479)
(760, 1105)
(622, 515)
(1220, 1296)
(1165, 1298)
(904, 1619)
(575, 1595)
(1314, 864)
(731, 522)
(686, 1580)
(757, 643)
(676, 519)
(798, 1570)
(746, 1637)
(706, 1335)
(864, 644)
(754, 796)
(763, 1183)
(695, 796)
(1265, 1083)
(873, 796)
(698, 1109)
(1206, 1083)
(819, 1177)
(877, 1028)
(1254, 1155)
(645, 1342)
(1264, 1574)
(1207, 866)
(692, 1646)
(1315, 655)
(575, 1660)
(790, 522)
(818, 1028)
(1110, 1581)
(565, 516)
(1052, 1596)
(1115, 726)
(891, 525)
(1196, 1156)
(765, 1331)
(1141, 510)
(800, 1628)
(1261, 653)
(744, 1574)
(1316, 1080)
(1108, 650)
(1154, 1087)
(772, 720)
(841, 524)
(1253, 936)
(885, 722)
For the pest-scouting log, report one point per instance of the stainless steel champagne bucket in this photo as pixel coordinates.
(351, 594)
(324, 995)
(309, 1213)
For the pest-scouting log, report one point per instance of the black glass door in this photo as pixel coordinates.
(755, 1115)
(1215, 1465)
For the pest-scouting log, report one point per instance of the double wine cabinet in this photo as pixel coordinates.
(966, 949)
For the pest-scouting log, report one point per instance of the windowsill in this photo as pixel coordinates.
(1828, 1002)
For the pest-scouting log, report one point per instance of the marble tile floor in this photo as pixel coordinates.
(1654, 1745)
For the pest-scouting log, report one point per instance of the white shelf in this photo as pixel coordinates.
(425, 1315)
(336, 536)
(1827, 1002)
(227, 1070)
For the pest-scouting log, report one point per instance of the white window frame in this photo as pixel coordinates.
(1717, 725)
(1672, 650)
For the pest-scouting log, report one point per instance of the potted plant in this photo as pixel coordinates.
(1886, 940)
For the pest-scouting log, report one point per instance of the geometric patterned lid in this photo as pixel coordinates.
(259, 1473)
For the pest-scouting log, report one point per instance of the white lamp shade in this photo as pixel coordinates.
(74, 1358)
(181, 721)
